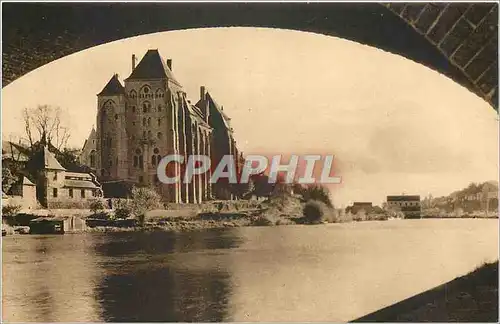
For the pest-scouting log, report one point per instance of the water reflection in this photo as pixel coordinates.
(48, 278)
(147, 279)
(288, 273)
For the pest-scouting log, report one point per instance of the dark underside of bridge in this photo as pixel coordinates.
(459, 39)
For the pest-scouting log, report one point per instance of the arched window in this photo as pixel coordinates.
(144, 134)
(145, 92)
(159, 121)
(149, 121)
(159, 93)
(153, 160)
(159, 107)
(138, 160)
(109, 105)
(132, 94)
(146, 107)
(133, 109)
(116, 116)
(92, 158)
(144, 121)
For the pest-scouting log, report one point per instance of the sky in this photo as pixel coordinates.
(393, 125)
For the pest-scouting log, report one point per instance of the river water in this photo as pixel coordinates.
(334, 272)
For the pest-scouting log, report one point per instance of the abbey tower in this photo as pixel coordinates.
(149, 117)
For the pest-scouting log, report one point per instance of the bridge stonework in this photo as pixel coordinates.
(466, 33)
(456, 39)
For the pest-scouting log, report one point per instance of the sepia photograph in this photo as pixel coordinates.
(250, 162)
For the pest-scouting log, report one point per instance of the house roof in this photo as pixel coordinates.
(113, 87)
(69, 183)
(27, 182)
(15, 151)
(50, 161)
(211, 101)
(403, 198)
(152, 66)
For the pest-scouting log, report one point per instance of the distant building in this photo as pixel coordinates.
(410, 205)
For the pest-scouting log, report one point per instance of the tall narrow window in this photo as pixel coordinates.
(82, 193)
(54, 192)
(159, 121)
(149, 121)
(70, 192)
(92, 158)
(144, 121)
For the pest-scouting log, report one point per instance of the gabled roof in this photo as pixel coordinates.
(50, 161)
(218, 109)
(113, 87)
(152, 66)
(15, 151)
(27, 182)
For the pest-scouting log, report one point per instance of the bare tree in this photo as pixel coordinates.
(44, 124)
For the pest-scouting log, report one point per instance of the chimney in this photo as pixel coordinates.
(133, 62)
(169, 64)
(202, 93)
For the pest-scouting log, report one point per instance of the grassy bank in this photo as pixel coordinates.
(470, 298)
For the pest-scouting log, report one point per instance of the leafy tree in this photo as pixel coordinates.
(143, 200)
(315, 211)
(123, 209)
(8, 179)
(317, 192)
(10, 210)
(97, 206)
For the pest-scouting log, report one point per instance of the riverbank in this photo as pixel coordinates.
(470, 298)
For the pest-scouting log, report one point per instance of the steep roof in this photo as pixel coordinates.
(152, 66)
(218, 109)
(50, 161)
(27, 182)
(113, 87)
(15, 151)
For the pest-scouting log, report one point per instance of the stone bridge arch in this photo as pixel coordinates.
(457, 39)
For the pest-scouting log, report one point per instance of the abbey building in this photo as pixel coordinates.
(148, 117)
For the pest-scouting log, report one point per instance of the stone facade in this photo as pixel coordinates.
(23, 194)
(60, 189)
(88, 156)
(149, 117)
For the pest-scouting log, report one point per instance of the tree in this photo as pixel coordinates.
(143, 200)
(8, 179)
(317, 192)
(44, 124)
